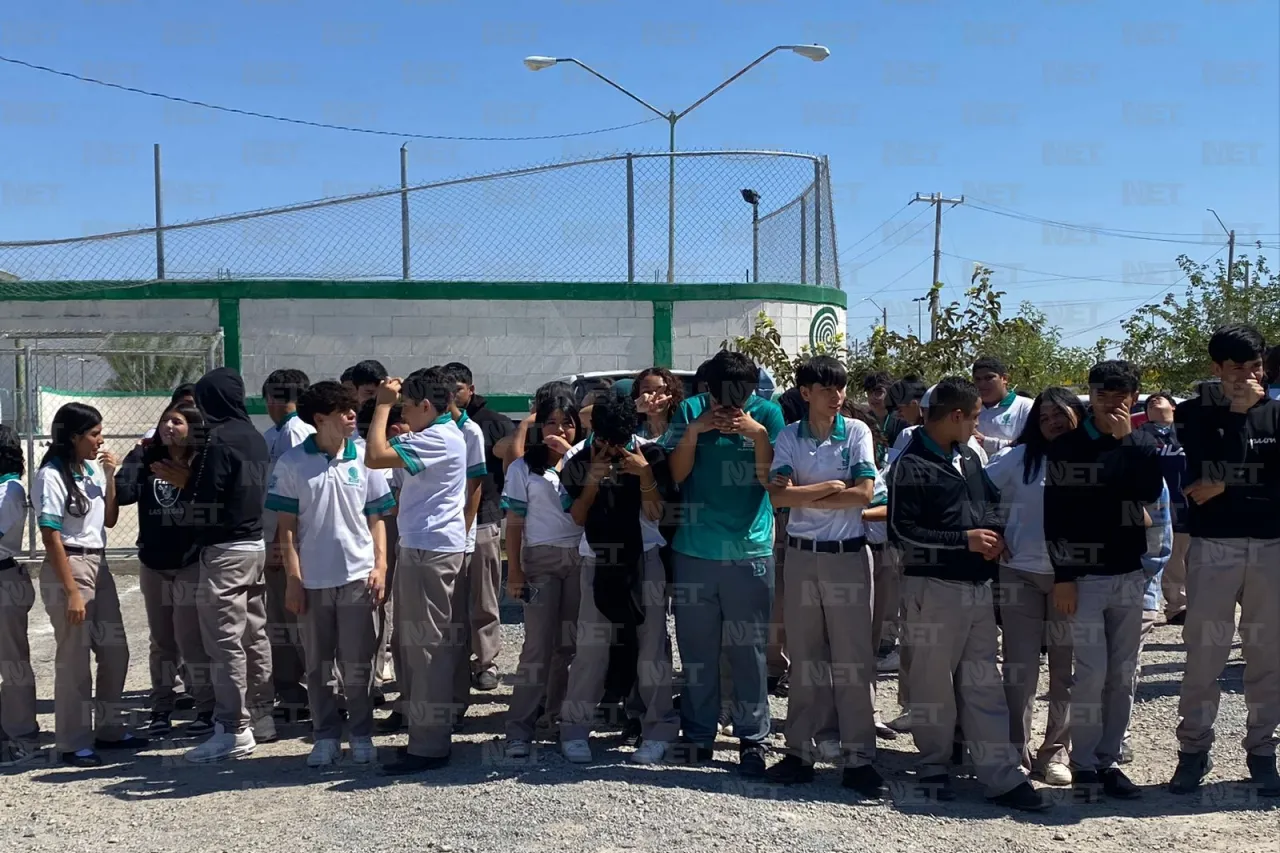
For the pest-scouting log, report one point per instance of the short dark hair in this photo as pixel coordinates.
(433, 384)
(953, 392)
(364, 417)
(12, 456)
(793, 406)
(992, 363)
(347, 374)
(460, 372)
(822, 370)
(325, 398)
(284, 386)
(700, 377)
(614, 419)
(186, 389)
(550, 390)
(1238, 342)
(1115, 375)
(874, 381)
(1160, 395)
(732, 377)
(368, 372)
(908, 389)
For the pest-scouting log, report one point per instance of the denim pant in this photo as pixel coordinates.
(723, 605)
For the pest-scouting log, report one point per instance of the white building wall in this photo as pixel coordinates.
(511, 346)
(698, 328)
(123, 315)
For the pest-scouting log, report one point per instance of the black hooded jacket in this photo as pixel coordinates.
(228, 486)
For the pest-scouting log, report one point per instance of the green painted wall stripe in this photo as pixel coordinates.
(229, 320)
(663, 334)
(45, 291)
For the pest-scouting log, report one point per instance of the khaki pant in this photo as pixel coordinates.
(1105, 632)
(1030, 620)
(233, 625)
(1221, 572)
(776, 659)
(950, 627)
(385, 614)
(1173, 583)
(887, 607)
(426, 595)
(340, 633)
(485, 581)
(554, 577)
(1149, 619)
(17, 680)
(173, 623)
(288, 660)
(829, 615)
(461, 628)
(591, 659)
(80, 712)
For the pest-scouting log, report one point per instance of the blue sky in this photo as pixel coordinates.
(1134, 115)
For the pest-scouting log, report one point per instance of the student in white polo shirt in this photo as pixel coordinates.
(433, 539)
(1004, 411)
(75, 495)
(824, 470)
(333, 542)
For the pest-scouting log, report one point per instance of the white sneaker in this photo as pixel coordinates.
(888, 663)
(325, 753)
(650, 752)
(576, 751)
(517, 748)
(1057, 774)
(831, 752)
(363, 751)
(386, 672)
(223, 745)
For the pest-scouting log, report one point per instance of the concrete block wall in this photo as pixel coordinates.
(698, 328)
(512, 347)
(125, 315)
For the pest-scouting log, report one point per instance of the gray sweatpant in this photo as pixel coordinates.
(173, 622)
(18, 688)
(1105, 633)
(232, 609)
(1221, 572)
(950, 627)
(553, 575)
(430, 647)
(340, 630)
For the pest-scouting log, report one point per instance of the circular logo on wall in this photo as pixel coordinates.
(823, 328)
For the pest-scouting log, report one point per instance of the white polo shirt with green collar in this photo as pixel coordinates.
(50, 499)
(847, 454)
(433, 491)
(333, 498)
(13, 515)
(1002, 423)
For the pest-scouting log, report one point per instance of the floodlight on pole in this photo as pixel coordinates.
(537, 63)
(816, 52)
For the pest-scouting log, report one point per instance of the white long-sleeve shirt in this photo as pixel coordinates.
(1024, 503)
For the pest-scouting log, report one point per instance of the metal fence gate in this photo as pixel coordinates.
(128, 376)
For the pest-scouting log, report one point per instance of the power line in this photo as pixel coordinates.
(306, 122)
(914, 267)
(877, 228)
(887, 238)
(1118, 233)
(903, 242)
(1051, 275)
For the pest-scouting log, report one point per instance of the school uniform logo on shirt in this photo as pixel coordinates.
(844, 457)
(353, 476)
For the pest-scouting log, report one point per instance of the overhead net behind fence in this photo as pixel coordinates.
(606, 219)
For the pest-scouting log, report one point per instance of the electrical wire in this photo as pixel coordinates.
(1051, 275)
(897, 245)
(1119, 233)
(308, 123)
(876, 229)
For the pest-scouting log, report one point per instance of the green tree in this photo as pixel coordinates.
(764, 346)
(147, 363)
(1169, 339)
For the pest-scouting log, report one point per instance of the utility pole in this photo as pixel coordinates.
(1246, 274)
(937, 200)
(1231, 246)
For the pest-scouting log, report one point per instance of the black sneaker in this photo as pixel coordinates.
(957, 754)
(1086, 786)
(1192, 769)
(13, 752)
(128, 742)
(486, 681)
(936, 787)
(1179, 618)
(632, 732)
(392, 723)
(159, 726)
(407, 765)
(90, 760)
(1262, 772)
(688, 753)
(1024, 798)
(184, 702)
(792, 770)
(778, 686)
(1117, 785)
(884, 732)
(866, 781)
(751, 760)
(201, 725)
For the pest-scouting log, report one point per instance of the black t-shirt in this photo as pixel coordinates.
(164, 543)
(495, 427)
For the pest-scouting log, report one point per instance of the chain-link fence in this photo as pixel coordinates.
(628, 217)
(127, 376)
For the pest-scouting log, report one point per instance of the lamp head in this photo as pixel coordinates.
(816, 52)
(537, 63)
(751, 196)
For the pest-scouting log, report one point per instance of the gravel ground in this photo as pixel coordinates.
(157, 802)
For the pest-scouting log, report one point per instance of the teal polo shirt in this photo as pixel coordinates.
(728, 515)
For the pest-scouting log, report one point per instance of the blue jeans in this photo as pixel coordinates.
(725, 605)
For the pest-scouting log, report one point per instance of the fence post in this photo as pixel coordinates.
(404, 211)
(30, 421)
(631, 220)
(835, 248)
(211, 361)
(804, 248)
(817, 222)
(159, 216)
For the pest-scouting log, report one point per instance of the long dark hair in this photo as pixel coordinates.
(71, 421)
(862, 412)
(1033, 438)
(675, 388)
(536, 453)
(156, 450)
(12, 458)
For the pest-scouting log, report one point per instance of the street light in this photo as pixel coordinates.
(752, 198)
(815, 52)
(920, 300)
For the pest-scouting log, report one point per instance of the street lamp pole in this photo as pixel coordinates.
(815, 52)
(752, 198)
